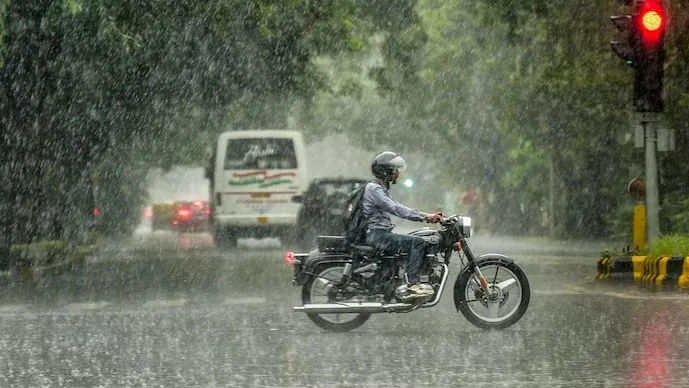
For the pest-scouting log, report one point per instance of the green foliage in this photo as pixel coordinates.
(505, 93)
(94, 93)
(675, 213)
(622, 223)
(50, 252)
(670, 245)
(518, 99)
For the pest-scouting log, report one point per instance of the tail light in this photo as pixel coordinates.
(184, 213)
(148, 213)
(289, 258)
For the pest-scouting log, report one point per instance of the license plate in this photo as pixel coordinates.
(262, 220)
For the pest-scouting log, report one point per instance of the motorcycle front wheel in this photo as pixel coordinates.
(504, 305)
(317, 290)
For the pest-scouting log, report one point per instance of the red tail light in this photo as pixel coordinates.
(148, 213)
(184, 213)
(289, 259)
(96, 211)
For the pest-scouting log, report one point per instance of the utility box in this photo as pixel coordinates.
(666, 140)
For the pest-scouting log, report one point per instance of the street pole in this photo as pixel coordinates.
(652, 220)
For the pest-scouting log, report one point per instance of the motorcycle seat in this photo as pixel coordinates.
(374, 254)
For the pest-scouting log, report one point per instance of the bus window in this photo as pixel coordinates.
(260, 153)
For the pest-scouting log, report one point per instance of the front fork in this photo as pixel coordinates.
(463, 246)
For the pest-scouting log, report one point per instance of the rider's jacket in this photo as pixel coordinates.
(377, 207)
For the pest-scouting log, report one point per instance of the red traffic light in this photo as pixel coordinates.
(651, 21)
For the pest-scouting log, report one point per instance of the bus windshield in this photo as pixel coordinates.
(260, 153)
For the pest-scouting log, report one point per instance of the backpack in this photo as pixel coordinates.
(355, 223)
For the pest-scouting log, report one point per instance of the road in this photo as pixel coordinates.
(169, 310)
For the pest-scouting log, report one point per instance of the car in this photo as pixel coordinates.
(191, 216)
(322, 208)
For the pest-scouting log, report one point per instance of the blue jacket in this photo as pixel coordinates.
(377, 207)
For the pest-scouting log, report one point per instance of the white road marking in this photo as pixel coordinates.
(13, 308)
(86, 306)
(165, 303)
(249, 300)
(577, 290)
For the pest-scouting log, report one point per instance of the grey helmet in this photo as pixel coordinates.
(385, 163)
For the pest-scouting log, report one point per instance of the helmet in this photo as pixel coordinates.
(385, 163)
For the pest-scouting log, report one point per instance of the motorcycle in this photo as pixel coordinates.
(343, 284)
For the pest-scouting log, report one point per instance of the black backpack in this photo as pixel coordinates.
(353, 217)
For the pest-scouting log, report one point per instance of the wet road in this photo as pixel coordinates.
(167, 310)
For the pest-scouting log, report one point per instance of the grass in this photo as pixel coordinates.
(670, 245)
(676, 245)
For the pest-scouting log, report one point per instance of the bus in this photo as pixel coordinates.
(254, 174)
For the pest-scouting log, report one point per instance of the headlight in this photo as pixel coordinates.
(466, 226)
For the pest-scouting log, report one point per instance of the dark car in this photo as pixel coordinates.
(323, 207)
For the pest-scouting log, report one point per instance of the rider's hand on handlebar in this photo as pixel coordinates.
(433, 217)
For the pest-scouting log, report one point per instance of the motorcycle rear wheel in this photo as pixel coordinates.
(508, 304)
(315, 291)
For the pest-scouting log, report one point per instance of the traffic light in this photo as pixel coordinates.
(625, 48)
(641, 46)
(648, 79)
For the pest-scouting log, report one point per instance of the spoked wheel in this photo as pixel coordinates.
(320, 290)
(503, 305)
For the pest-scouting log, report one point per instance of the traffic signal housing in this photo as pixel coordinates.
(648, 79)
(642, 47)
(625, 47)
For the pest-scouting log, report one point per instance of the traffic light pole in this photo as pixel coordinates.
(652, 220)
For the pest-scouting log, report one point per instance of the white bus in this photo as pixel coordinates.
(253, 176)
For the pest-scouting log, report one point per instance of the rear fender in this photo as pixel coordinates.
(487, 259)
(315, 259)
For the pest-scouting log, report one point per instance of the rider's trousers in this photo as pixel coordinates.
(392, 243)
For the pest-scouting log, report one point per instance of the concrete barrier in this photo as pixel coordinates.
(658, 271)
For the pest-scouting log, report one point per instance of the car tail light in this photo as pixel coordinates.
(148, 213)
(184, 213)
(289, 258)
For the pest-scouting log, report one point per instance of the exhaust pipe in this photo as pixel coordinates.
(340, 308)
(370, 307)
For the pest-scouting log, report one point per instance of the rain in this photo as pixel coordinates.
(169, 172)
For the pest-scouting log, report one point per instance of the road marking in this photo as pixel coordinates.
(13, 308)
(249, 300)
(86, 306)
(165, 303)
(577, 290)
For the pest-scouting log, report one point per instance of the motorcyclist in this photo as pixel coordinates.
(377, 207)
